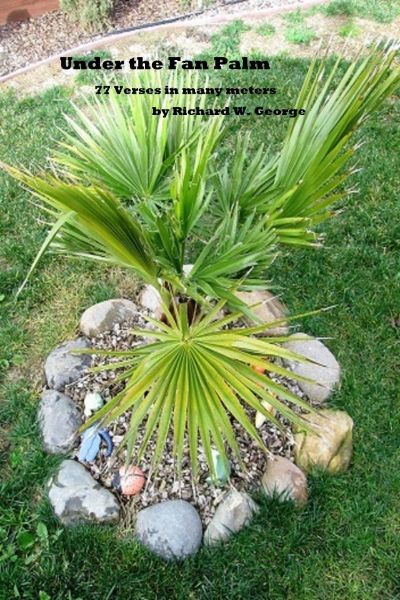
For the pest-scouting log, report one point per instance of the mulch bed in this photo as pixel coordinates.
(164, 484)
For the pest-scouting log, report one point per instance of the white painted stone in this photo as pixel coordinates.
(260, 418)
(92, 402)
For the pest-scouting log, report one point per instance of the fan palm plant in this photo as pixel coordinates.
(143, 193)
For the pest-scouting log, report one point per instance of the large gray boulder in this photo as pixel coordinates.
(326, 374)
(59, 420)
(77, 498)
(102, 317)
(170, 529)
(233, 513)
(285, 480)
(63, 367)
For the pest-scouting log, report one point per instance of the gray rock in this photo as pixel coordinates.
(233, 513)
(59, 420)
(103, 316)
(77, 498)
(62, 367)
(170, 529)
(326, 373)
(269, 309)
(283, 479)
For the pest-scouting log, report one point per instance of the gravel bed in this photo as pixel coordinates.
(29, 41)
(163, 484)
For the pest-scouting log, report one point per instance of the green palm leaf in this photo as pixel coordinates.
(92, 224)
(194, 380)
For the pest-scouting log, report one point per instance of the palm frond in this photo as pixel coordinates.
(297, 188)
(194, 380)
(92, 224)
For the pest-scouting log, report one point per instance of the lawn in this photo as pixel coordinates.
(345, 543)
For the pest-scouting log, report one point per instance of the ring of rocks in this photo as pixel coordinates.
(173, 518)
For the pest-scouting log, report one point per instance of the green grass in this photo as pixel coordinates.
(226, 41)
(296, 29)
(350, 29)
(383, 11)
(345, 543)
(266, 30)
(300, 34)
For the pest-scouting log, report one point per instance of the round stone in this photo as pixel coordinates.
(171, 529)
(233, 513)
(129, 481)
(150, 298)
(63, 366)
(323, 371)
(285, 480)
(77, 498)
(329, 443)
(267, 308)
(102, 317)
(59, 420)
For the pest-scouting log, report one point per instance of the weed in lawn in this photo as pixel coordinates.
(300, 34)
(226, 41)
(89, 76)
(295, 17)
(296, 29)
(91, 15)
(384, 11)
(266, 30)
(340, 7)
(350, 29)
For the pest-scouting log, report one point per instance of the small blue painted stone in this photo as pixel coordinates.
(105, 436)
(90, 444)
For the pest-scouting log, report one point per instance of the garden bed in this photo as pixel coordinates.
(163, 484)
(346, 541)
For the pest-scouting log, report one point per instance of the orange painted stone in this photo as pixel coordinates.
(258, 369)
(131, 481)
